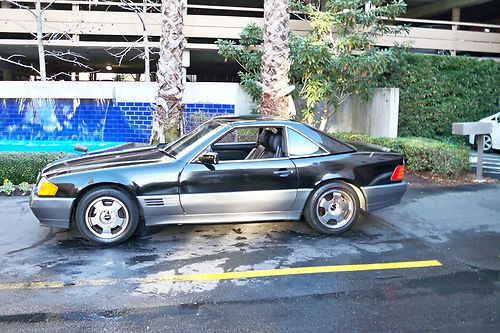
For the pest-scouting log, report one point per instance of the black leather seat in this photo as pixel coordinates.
(269, 146)
(262, 142)
(273, 148)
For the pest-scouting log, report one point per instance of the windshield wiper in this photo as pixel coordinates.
(163, 148)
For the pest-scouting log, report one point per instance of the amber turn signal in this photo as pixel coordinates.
(398, 173)
(46, 188)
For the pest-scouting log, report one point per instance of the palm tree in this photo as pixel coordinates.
(167, 118)
(275, 62)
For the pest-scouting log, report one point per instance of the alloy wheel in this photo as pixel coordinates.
(487, 142)
(107, 217)
(335, 208)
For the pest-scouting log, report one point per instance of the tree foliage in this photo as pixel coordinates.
(336, 58)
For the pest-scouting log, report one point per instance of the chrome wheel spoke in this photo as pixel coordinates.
(119, 221)
(106, 231)
(99, 207)
(337, 197)
(344, 206)
(115, 207)
(94, 220)
(325, 203)
(327, 218)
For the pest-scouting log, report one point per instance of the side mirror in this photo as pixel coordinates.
(209, 157)
(80, 148)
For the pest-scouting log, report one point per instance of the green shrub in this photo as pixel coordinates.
(420, 154)
(7, 187)
(25, 188)
(24, 167)
(436, 91)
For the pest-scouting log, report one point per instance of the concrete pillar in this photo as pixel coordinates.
(186, 62)
(455, 17)
(376, 117)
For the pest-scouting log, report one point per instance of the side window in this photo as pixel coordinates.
(250, 143)
(241, 135)
(299, 145)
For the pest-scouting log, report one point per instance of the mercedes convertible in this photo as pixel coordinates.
(229, 169)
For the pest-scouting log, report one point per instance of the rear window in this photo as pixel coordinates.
(331, 144)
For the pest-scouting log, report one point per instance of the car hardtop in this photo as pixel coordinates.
(253, 120)
(262, 121)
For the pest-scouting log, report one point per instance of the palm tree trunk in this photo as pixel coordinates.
(275, 62)
(167, 118)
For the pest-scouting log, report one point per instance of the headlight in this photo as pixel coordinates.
(46, 188)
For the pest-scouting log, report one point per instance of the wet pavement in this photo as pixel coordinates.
(83, 286)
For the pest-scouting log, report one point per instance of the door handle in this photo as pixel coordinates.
(283, 172)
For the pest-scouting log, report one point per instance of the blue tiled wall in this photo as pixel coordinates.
(89, 120)
(194, 114)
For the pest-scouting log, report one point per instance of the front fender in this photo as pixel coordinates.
(157, 179)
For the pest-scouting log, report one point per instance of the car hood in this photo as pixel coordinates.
(105, 159)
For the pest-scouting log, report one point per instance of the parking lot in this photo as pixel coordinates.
(431, 263)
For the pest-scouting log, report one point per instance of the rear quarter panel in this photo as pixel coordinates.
(359, 168)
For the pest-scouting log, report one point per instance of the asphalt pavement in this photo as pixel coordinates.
(429, 264)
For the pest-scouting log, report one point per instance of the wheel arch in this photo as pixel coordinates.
(346, 181)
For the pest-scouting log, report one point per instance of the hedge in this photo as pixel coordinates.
(436, 91)
(420, 154)
(24, 167)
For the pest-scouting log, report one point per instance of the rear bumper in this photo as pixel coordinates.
(381, 196)
(52, 212)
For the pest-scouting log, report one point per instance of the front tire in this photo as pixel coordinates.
(332, 209)
(107, 216)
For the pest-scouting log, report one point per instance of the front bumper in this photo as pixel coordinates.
(52, 212)
(381, 196)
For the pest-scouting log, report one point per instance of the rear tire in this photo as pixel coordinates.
(488, 144)
(332, 209)
(107, 216)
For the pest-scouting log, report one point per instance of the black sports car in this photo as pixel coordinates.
(230, 169)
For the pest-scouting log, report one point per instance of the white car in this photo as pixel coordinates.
(491, 141)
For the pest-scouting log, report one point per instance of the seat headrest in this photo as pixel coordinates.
(274, 142)
(264, 138)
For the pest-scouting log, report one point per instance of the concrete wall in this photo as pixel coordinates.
(195, 92)
(122, 111)
(376, 117)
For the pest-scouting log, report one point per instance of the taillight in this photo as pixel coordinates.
(398, 173)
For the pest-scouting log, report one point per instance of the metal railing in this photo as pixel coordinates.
(216, 22)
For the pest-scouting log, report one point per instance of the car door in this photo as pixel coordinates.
(495, 132)
(238, 186)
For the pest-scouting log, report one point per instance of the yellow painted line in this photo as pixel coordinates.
(225, 275)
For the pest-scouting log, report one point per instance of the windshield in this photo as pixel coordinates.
(188, 139)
